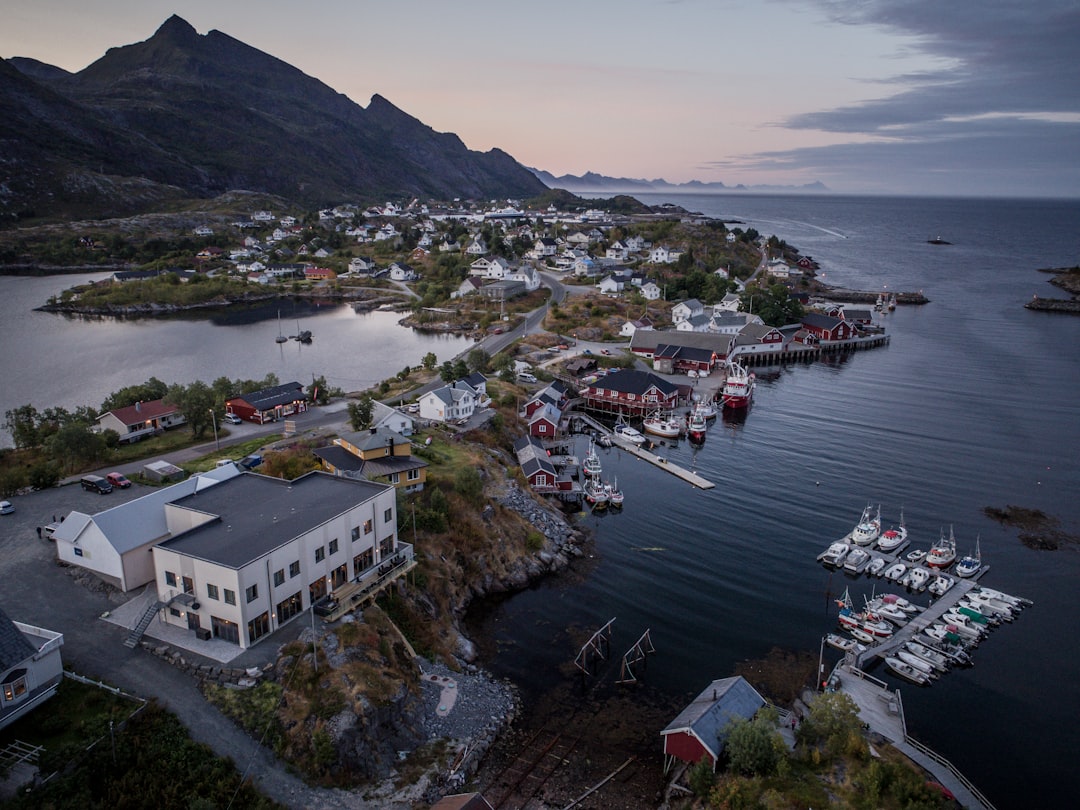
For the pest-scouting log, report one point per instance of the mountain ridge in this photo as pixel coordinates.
(189, 114)
(594, 182)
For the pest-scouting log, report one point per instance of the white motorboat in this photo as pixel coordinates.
(943, 552)
(591, 466)
(961, 625)
(936, 659)
(900, 602)
(919, 578)
(996, 605)
(916, 556)
(907, 671)
(632, 435)
(838, 642)
(862, 636)
(940, 584)
(868, 528)
(969, 565)
(953, 651)
(696, 425)
(895, 572)
(857, 558)
(909, 657)
(950, 633)
(705, 409)
(835, 554)
(887, 611)
(662, 425)
(1019, 601)
(876, 566)
(892, 538)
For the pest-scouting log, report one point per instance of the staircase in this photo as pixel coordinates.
(136, 633)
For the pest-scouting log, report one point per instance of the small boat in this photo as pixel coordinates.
(892, 538)
(591, 466)
(696, 426)
(900, 602)
(865, 621)
(603, 440)
(614, 494)
(627, 433)
(916, 556)
(887, 611)
(919, 578)
(940, 584)
(876, 566)
(706, 409)
(908, 657)
(738, 390)
(838, 642)
(970, 565)
(862, 637)
(302, 335)
(835, 554)
(953, 650)
(996, 605)
(661, 425)
(1018, 601)
(936, 659)
(951, 634)
(868, 528)
(857, 558)
(943, 552)
(960, 624)
(895, 572)
(907, 671)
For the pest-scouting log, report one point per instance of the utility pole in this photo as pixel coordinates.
(213, 419)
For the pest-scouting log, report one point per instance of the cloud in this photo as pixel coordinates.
(1007, 92)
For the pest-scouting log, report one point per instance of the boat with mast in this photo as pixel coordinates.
(738, 391)
(280, 335)
(969, 565)
(943, 552)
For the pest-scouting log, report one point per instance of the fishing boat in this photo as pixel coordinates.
(919, 578)
(696, 426)
(868, 528)
(916, 556)
(856, 560)
(662, 425)
(893, 537)
(876, 566)
(886, 611)
(738, 390)
(596, 494)
(969, 565)
(706, 409)
(907, 671)
(900, 602)
(864, 621)
(614, 494)
(943, 552)
(591, 466)
(835, 554)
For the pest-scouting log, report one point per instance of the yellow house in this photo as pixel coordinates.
(378, 454)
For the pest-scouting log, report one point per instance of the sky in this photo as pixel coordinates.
(953, 97)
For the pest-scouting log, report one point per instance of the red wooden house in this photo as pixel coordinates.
(699, 730)
(631, 392)
(827, 327)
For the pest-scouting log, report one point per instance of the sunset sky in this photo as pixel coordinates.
(969, 97)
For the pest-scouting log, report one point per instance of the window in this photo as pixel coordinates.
(279, 577)
(289, 608)
(333, 546)
(294, 569)
(174, 612)
(230, 597)
(388, 515)
(356, 533)
(367, 527)
(252, 592)
(413, 475)
(170, 579)
(211, 591)
(320, 554)
(395, 478)
(259, 626)
(16, 687)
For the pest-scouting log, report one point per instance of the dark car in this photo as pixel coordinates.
(118, 480)
(95, 483)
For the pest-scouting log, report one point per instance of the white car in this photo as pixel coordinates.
(6, 507)
(233, 419)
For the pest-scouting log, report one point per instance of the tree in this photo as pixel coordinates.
(833, 720)
(319, 392)
(460, 370)
(446, 372)
(75, 445)
(478, 360)
(195, 402)
(22, 424)
(430, 361)
(146, 392)
(774, 305)
(753, 747)
(360, 412)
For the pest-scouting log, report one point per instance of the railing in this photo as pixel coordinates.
(53, 640)
(940, 760)
(369, 582)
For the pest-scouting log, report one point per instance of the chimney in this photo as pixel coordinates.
(138, 406)
(373, 430)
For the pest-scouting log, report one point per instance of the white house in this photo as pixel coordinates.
(477, 246)
(779, 269)
(262, 216)
(643, 323)
(115, 543)
(635, 244)
(30, 667)
(610, 285)
(399, 271)
(204, 230)
(454, 401)
(618, 251)
(479, 267)
(383, 416)
(686, 309)
(651, 291)
(386, 232)
(498, 269)
(695, 323)
(661, 254)
(527, 275)
(729, 303)
(469, 286)
(362, 265)
(247, 556)
(545, 247)
(141, 419)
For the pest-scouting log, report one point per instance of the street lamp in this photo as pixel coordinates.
(213, 419)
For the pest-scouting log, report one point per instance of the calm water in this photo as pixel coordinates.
(972, 404)
(50, 359)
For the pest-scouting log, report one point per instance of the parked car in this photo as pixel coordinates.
(95, 483)
(6, 507)
(525, 376)
(562, 347)
(118, 480)
(250, 462)
(233, 419)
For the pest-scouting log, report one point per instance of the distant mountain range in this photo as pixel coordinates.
(590, 182)
(185, 115)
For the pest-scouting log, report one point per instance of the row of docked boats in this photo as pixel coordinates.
(599, 494)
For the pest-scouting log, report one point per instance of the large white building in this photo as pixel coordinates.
(246, 556)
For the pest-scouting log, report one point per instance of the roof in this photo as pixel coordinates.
(721, 702)
(462, 801)
(373, 438)
(142, 411)
(254, 514)
(339, 458)
(267, 398)
(136, 523)
(820, 321)
(632, 381)
(14, 646)
(691, 353)
(649, 339)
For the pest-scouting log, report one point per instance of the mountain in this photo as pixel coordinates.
(189, 115)
(590, 182)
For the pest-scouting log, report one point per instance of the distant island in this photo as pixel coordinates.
(591, 182)
(1066, 278)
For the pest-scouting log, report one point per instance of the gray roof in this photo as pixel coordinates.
(268, 398)
(649, 339)
(632, 381)
(14, 646)
(373, 438)
(254, 514)
(339, 458)
(721, 702)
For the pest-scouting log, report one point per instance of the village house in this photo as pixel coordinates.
(729, 303)
(362, 265)
(455, 401)
(469, 286)
(686, 309)
(695, 323)
(629, 327)
(645, 343)
(536, 465)
(731, 323)
(395, 419)
(827, 328)
(377, 454)
(757, 339)
(30, 667)
(319, 274)
(544, 247)
(399, 271)
(477, 246)
(204, 230)
(527, 275)
(140, 420)
(631, 392)
(269, 404)
(651, 291)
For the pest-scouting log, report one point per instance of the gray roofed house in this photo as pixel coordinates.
(377, 454)
(457, 400)
(700, 728)
(30, 667)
